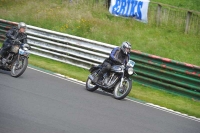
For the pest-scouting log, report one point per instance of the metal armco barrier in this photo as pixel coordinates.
(62, 47)
(154, 71)
(164, 73)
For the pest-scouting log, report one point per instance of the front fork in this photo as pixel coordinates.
(18, 57)
(16, 61)
(121, 82)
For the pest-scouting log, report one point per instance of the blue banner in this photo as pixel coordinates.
(130, 8)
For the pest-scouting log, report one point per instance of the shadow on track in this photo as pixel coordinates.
(104, 93)
(4, 72)
(7, 73)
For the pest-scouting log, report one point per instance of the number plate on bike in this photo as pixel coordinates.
(131, 63)
(22, 52)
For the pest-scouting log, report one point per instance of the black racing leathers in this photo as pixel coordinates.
(11, 35)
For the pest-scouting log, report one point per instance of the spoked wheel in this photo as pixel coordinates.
(90, 86)
(19, 67)
(121, 92)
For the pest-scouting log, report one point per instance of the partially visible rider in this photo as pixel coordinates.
(14, 34)
(119, 55)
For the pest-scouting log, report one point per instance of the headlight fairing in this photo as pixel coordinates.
(130, 71)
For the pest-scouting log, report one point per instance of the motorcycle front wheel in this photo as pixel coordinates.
(19, 67)
(121, 92)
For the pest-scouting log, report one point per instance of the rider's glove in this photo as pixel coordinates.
(13, 38)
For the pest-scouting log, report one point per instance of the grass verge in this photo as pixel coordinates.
(158, 97)
(187, 4)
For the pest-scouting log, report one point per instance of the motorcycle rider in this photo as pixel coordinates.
(119, 55)
(13, 35)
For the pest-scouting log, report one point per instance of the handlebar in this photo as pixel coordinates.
(16, 41)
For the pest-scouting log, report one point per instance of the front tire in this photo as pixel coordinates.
(15, 72)
(121, 93)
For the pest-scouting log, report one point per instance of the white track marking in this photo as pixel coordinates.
(167, 110)
(61, 77)
(146, 104)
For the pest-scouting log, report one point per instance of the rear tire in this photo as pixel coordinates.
(90, 86)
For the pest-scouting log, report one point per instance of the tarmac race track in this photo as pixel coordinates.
(41, 103)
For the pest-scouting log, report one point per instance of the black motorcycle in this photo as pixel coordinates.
(116, 81)
(16, 59)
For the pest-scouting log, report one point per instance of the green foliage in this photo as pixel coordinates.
(80, 27)
(59, 67)
(165, 99)
(187, 4)
(93, 21)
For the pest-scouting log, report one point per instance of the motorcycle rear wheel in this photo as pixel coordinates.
(90, 86)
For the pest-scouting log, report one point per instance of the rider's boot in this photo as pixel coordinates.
(2, 52)
(2, 60)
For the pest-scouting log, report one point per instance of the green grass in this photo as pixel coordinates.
(95, 22)
(187, 4)
(58, 67)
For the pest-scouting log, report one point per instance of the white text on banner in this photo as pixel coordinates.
(130, 8)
